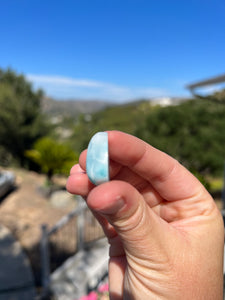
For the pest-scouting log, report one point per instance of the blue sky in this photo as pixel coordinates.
(113, 49)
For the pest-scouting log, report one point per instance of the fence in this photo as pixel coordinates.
(71, 234)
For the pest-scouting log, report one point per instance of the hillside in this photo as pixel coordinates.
(185, 130)
(81, 119)
(125, 117)
(72, 107)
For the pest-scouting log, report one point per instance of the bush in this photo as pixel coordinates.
(53, 157)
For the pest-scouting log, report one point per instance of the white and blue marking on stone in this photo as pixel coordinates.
(97, 162)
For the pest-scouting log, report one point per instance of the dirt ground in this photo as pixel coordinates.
(25, 209)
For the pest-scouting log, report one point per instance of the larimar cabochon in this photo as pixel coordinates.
(97, 162)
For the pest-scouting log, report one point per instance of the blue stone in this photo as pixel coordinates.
(97, 163)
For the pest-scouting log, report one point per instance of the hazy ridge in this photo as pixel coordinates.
(72, 107)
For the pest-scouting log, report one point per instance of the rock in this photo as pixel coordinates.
(61, 199)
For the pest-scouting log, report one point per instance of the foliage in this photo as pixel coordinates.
(217, 97)
(52, 156)
(21, 121)
(216, 184)
(193, 132)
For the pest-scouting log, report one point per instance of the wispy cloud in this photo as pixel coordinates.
(63, 81)
(65, 87)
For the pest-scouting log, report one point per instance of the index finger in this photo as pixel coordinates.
(169, 178)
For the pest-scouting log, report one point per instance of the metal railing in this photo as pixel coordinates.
(69, 235)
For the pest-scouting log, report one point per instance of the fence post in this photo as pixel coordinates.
(45, 264)
(80, 226)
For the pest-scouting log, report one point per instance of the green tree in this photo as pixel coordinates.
(193, 132)
(53, 157)
(21, 120)
(217, 97)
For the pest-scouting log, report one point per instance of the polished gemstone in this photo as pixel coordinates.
(97, 163)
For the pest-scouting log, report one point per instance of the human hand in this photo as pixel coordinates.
(165, 232)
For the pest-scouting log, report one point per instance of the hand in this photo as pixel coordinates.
(165, 232)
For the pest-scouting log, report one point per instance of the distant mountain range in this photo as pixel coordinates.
(72, 107)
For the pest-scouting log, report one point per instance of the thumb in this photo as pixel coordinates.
(142, 232)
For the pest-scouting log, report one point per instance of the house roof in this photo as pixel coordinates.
(209, 81)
